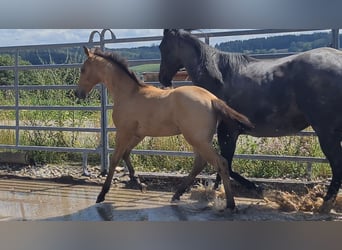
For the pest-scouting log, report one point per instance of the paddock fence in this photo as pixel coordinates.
(103, 38)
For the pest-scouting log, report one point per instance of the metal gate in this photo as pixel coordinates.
(103, 148)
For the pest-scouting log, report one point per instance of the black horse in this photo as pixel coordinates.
(280, 96)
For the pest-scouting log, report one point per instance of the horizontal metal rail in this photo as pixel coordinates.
(103, 148)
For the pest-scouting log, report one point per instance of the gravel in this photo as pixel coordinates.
(58, 173)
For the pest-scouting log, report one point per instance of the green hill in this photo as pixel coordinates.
(274, 44)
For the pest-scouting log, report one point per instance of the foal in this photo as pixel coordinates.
(143, 110)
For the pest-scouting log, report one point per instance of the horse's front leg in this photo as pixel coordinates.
(117, 155)
(121, 147)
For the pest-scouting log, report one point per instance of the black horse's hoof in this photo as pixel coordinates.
(326, 206)
(100, 198)
(216, 186)
(229, 210)
(259, 191)
(175, 198)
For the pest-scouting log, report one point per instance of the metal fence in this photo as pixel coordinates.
(103, 148)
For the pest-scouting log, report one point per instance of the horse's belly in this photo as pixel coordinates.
(158, 129)
(278, 125)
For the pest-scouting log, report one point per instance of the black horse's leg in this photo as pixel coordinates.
(331, 146)
(227, 138)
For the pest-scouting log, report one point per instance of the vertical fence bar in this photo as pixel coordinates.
(16, 90)
(104, 122)
(206, 40)
(104, 116)
(104, 146)
(335, 38)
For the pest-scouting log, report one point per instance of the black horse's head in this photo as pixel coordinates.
(170, 56)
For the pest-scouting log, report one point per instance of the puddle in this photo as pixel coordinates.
(47, 201)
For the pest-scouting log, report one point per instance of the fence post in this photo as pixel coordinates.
(104, 150)
(104, 116)
(85, 171)
(335, 38)
(104, 138)
(309, 170)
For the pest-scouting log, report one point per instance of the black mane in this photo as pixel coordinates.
(207, 54)
(118, 60)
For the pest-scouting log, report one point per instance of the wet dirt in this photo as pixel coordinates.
(50, 201)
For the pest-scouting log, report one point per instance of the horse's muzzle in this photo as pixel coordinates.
(80, 94)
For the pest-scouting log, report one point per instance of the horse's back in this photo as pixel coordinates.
(194, 111)
(320, 59)
(194, 92)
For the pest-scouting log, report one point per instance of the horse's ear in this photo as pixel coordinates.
(86, 51)
(166, 31)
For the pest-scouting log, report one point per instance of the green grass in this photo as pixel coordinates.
(301, 146)
(145, 68)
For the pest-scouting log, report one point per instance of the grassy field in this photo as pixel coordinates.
(145, 68)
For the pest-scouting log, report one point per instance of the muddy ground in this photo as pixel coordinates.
(281, 199)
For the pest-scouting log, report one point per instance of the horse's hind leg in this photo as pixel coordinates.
(209, 154)
(331, 147)
(227, 138)
(199, 164)
(133, 179)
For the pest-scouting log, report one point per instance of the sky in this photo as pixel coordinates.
(17, 37)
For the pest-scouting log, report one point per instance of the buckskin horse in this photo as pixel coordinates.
(279, 96)
(143, 110)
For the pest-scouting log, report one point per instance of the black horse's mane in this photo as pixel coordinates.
(206, 53)
(118, 60)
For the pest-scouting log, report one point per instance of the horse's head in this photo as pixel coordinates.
(170, 57)
(89, 76)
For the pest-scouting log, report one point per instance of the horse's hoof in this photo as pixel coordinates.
(143, 187)
(259, 191)
(100, 198)
(326, 207)
(216, 186)
(86, 173)
(103, 173)
(231, 205)
(230, 210)
(175, 199)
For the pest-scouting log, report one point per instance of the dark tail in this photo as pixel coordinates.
(228, 114)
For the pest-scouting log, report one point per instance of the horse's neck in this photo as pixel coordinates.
(196, 63)
(120, 86)
(191, 60)
(211, 64)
